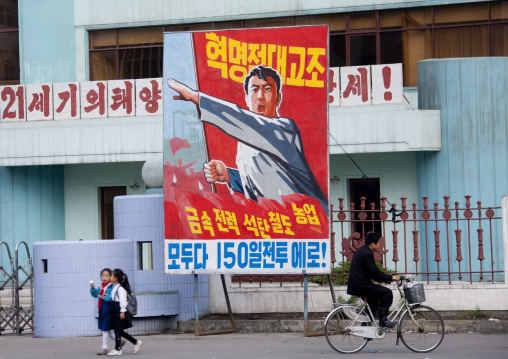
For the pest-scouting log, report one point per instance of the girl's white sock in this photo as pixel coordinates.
(105, 337)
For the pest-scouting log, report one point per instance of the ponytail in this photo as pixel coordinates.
(123, 279)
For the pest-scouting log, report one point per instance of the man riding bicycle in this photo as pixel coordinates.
(362, 271)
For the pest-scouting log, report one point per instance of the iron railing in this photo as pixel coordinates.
(434, 243)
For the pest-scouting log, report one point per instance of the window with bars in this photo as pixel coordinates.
(364, 38)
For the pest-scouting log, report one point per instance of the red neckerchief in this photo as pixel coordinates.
(101, 292)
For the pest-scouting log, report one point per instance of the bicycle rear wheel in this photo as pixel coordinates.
(421, 329)
(338, 332)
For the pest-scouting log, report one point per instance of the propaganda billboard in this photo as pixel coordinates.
(246, 151)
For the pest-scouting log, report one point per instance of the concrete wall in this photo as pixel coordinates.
(141, 218)
(62, 300)
(473, 160)
(289, 298)
(121, 139)
(98, 12)
(31, 205)
(81, 184)
(383, 128)
(46, 41)
(63, 305)
(397, 174)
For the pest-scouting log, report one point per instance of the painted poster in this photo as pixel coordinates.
(246, 151)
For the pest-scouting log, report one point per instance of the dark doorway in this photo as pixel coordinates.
(107, 218)
(368, 188)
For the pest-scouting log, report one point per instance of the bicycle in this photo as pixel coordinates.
(348, 327)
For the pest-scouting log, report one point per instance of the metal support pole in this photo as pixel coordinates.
(198, 330)
(196, 308)
(224, 287)
(306, 326)
(305, 296)
(332, 290)
(16, 290)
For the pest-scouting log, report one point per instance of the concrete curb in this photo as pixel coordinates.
(476, 326)
(297, 325)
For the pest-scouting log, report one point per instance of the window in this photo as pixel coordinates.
(362, 38)
(362, 50)
(6, 18)
(145, 256)
(367, 38)
(409, 35)
(126, 53)
(9, 43)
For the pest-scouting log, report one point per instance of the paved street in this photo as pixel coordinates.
(246, 346)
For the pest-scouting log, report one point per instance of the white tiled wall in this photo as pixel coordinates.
(63, 304)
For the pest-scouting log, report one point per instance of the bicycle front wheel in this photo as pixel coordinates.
(421, 329)
(338, 331)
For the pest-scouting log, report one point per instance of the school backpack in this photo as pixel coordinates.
(132, 304)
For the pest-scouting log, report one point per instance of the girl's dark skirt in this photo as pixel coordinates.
(105, 316)
(115, 322)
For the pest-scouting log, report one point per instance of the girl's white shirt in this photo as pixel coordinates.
(121, 297)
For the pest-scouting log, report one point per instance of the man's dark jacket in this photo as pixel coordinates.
(363, 270)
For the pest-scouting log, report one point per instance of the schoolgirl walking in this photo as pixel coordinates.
(120, 317)
(104, 308)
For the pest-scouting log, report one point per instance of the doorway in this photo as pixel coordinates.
(368, 188)
(107, 195)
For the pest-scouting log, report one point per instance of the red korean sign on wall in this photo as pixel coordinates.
(246, 151)
(81, 100)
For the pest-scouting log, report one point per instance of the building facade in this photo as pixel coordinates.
(58, 178)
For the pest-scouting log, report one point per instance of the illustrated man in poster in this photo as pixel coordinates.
(270, 157)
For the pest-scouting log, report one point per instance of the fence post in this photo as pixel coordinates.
(505, 236)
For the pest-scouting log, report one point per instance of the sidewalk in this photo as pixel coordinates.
(247, 346)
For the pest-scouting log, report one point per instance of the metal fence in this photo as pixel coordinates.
(16, 317)
(437, 242)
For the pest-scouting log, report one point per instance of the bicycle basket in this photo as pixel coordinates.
(415, 294)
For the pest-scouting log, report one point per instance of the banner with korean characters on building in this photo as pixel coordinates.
(81, 100)
(246, 151)
(365, 85)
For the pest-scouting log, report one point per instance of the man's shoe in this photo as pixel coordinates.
(383, 319)
(386, 323)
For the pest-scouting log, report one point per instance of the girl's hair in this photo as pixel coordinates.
(106, 270)
(122, 279)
